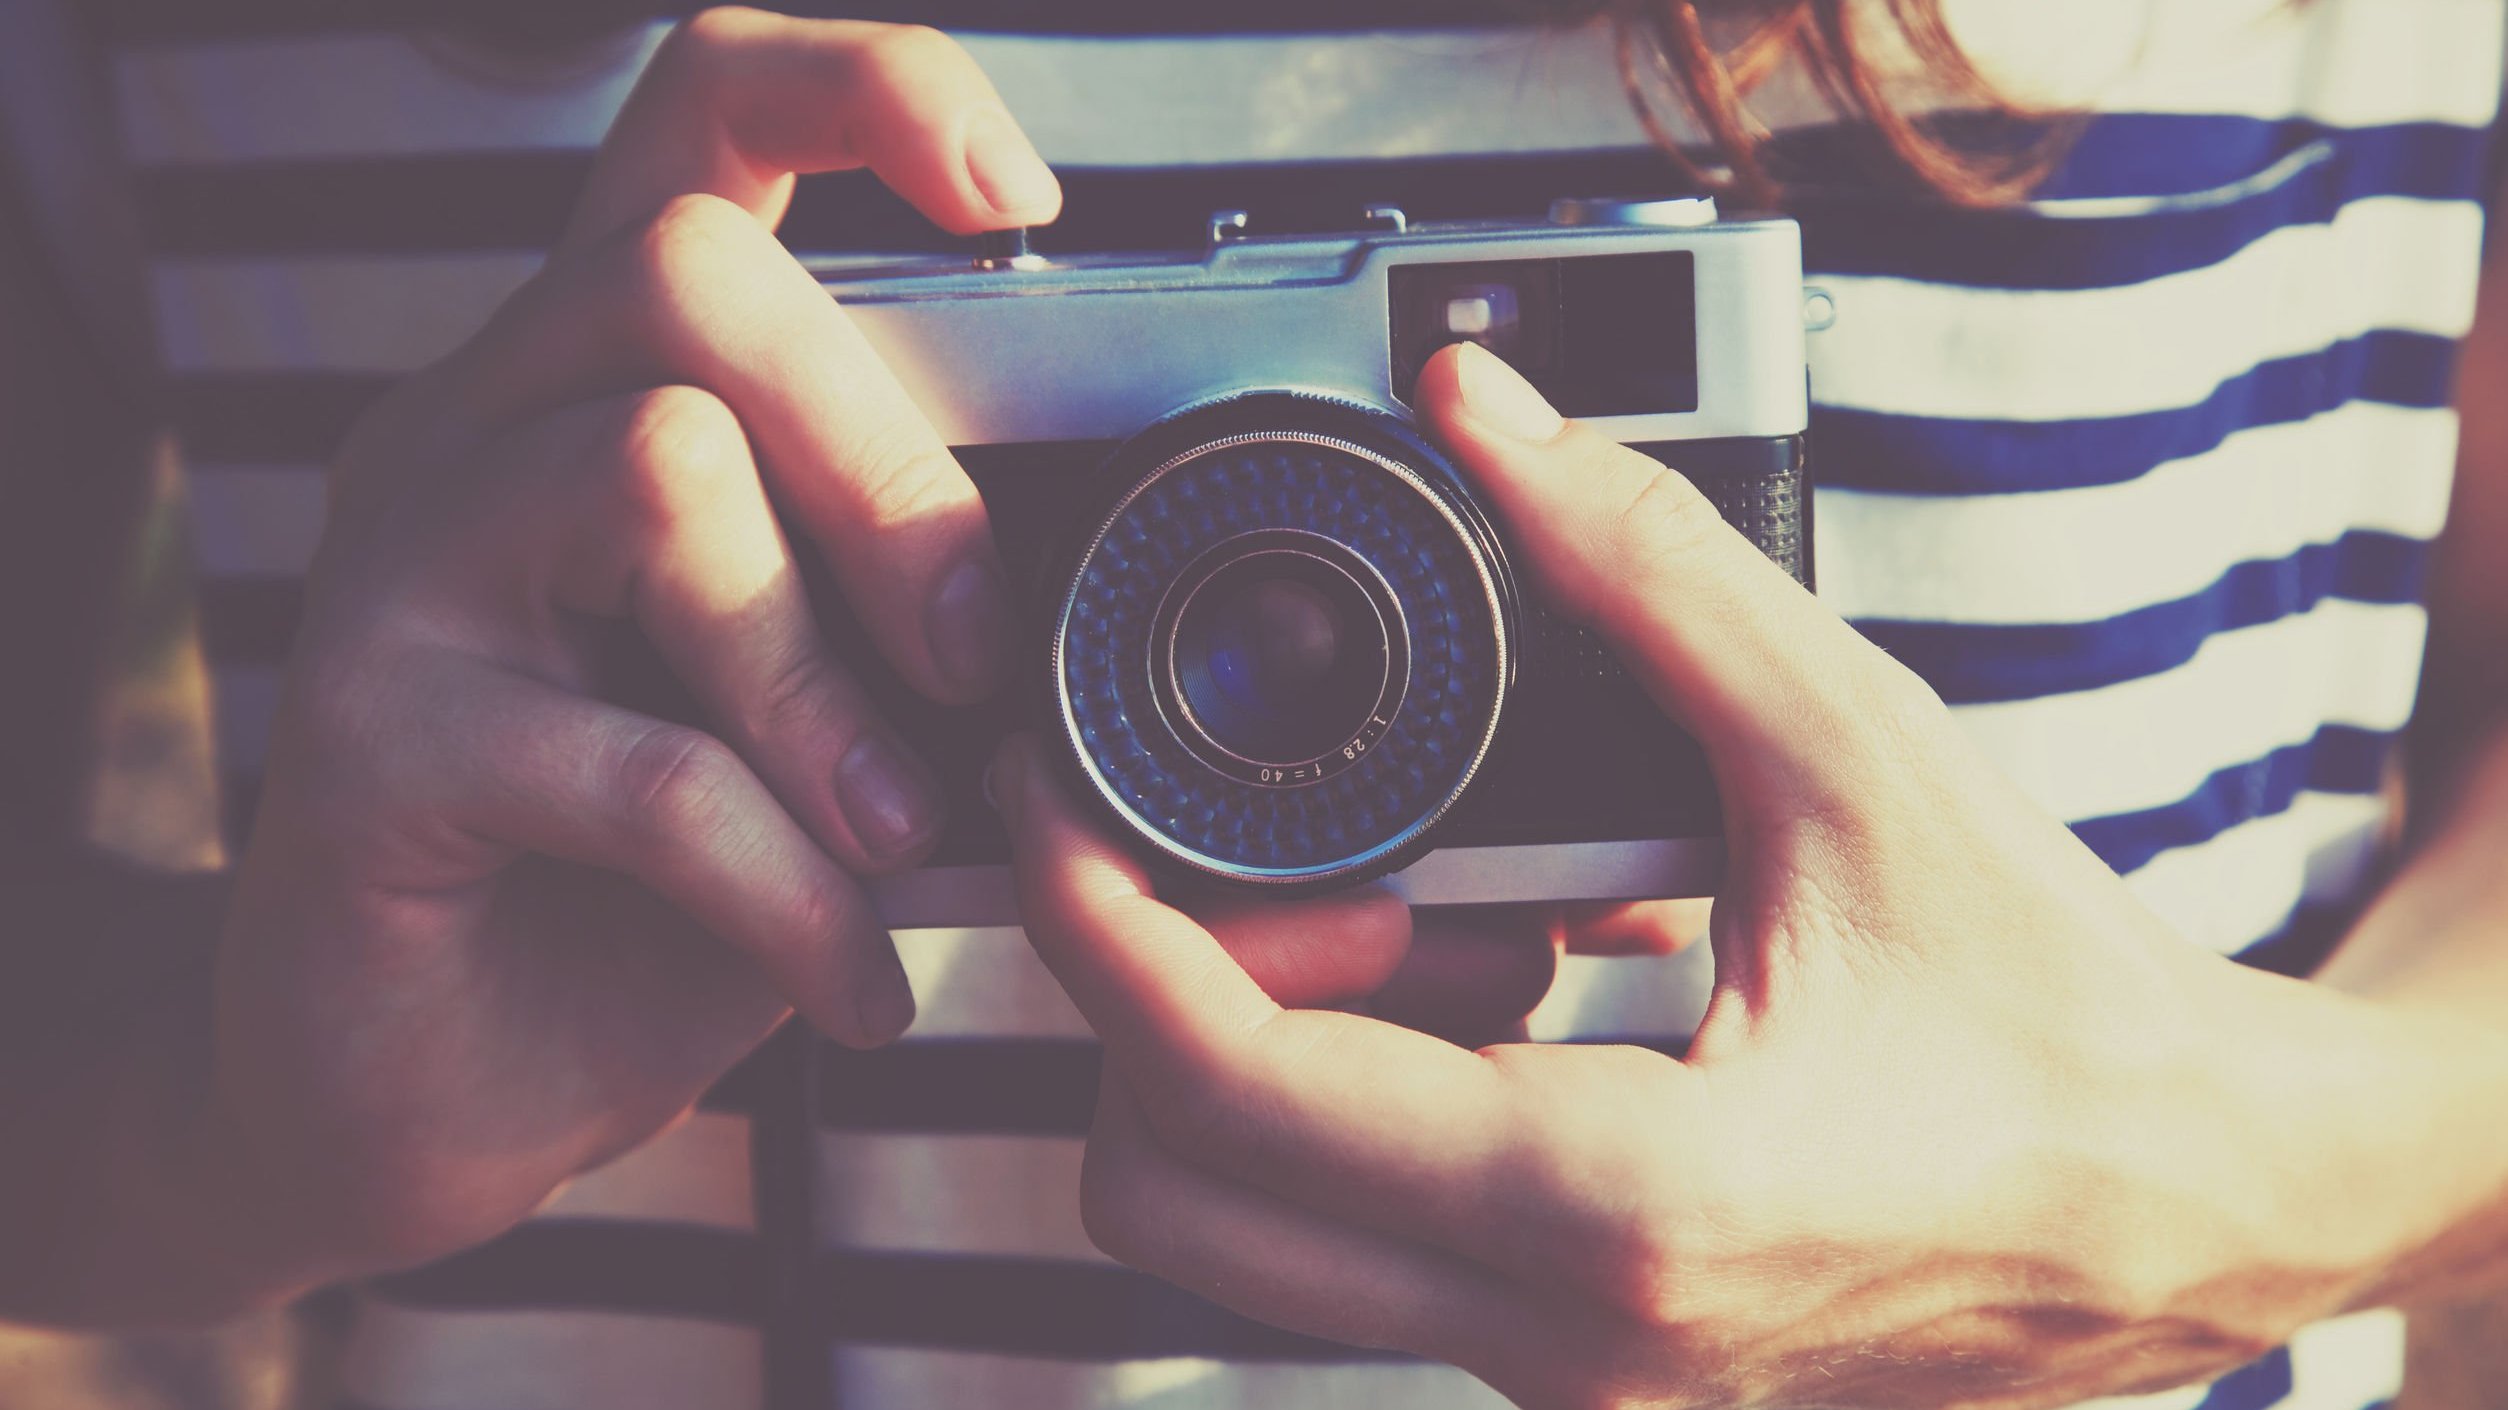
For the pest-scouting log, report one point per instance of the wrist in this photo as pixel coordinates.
(2369, 1135)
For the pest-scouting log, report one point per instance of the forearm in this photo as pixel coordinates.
(117, 1203)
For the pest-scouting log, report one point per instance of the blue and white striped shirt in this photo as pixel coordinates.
(2141, 474)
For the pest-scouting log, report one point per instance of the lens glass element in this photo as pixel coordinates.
(1279, 657)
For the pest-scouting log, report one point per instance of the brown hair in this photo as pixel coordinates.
(1703, 59)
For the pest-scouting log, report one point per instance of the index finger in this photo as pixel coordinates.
(1339, 1113)
(1800, 716)
(704, 295)
(738, 101)
(1156, 986)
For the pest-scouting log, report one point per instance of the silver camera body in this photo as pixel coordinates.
(1279, 643)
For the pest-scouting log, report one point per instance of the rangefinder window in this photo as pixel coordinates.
(1600, 335)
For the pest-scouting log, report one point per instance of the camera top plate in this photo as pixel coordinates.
(1130, 338)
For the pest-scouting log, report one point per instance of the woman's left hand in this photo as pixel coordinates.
(1965, 1125)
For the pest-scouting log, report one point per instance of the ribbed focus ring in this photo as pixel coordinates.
(1317, 484)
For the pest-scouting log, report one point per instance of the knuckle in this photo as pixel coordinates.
(897, 53)
(1660, 512)
(1639, 1249)
(678, 449)
(690, 238)
(802, 691)
(901, 474)
(1649, 523)
(824, 913)
(1665, 1260)
(677, 783)
(710, 31)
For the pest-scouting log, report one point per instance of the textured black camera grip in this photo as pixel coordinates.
(1760, 487)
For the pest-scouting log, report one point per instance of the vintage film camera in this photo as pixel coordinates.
(1275, 638)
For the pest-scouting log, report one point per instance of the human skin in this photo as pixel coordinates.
(492, 926)
(495, 925)
(1964, 1125)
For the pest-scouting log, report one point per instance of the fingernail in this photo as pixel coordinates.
(1499, 399)
(886, 800)
(1014, 180)
(969, 627)
(884, 1002)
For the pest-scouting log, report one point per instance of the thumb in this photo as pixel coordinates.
(1796, 711)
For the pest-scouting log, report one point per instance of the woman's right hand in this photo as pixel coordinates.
(492, 927)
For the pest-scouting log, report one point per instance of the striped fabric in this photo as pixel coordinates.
(2141, 475)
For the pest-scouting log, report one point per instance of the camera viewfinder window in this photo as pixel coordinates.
(1600, 335)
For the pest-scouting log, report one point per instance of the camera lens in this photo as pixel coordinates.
(1259, 652)
(1283, 650)
(1271, 667)
(1276, 649)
